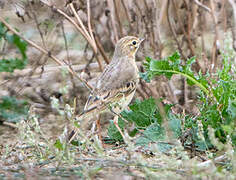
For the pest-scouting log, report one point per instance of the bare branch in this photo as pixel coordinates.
(216, 40)
(88, 36)
(80, 29)
(127, 15)
(89, 21)
(118, 18)
(202, 6)
(113, 22)
(233, 28)
(37, 24)
(173, 31)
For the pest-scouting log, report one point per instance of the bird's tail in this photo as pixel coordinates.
(84, 120)
(72, 135)
(81, 124)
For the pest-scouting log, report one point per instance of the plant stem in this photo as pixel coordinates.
(189, 77)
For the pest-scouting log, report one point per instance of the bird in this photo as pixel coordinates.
(116, 86)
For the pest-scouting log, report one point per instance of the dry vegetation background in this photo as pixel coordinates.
(73, 48)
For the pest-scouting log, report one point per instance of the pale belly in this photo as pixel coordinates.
(122, 104)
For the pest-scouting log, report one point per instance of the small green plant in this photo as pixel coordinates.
(12, 109)
(148, 123)
(173, 65)
(10, 64)
(217, 93)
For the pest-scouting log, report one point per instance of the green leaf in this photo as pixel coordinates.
(217, 105)
(175, 58)
(232, 108)
(9, 65)
(172, 65)
(220, 113)
(164, 147)
(161, 67)
(175, 125)
(153, 133)
(58, 145)
(75, 142)
(201, 145)
(228, 129)
(145, 76)
(13, 110)
(113, 132)
(133, 132)
(141, 113)
(145, 115)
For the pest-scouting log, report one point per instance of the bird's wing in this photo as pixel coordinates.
(101, 103)
(118, 78)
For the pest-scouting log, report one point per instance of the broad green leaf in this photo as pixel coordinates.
(153, 133)
(58, 145)
(232, 108)
(164, 147)
(10, 64)
(175, 125)
(113, 132)
(141, 113)
(172, 65)
(13, 110)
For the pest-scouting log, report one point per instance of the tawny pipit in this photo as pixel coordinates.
(116, 86)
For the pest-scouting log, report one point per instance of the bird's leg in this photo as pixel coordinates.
(116, 114)
(92, 130)
(99, 129)
(117, 126)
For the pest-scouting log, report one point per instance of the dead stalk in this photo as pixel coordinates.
(118, 18)
(202, 6)
(173, 31)
(81, 29)
(89, 22)
(113, 22)
(186, 34)
(216, 41)
(101, 49)
(37, 24)
(127, 15)
(233, 28)
(89, 37)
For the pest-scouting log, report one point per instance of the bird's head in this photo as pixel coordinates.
(127, 46)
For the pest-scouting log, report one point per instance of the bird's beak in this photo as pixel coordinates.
(141, 39)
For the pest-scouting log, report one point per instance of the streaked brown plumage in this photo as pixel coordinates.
(116, 86)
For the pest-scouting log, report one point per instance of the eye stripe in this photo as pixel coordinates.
(129, 40)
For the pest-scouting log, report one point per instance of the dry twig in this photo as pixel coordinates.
(202, 6)
(233, 28)
(113, 22)
(173, 31)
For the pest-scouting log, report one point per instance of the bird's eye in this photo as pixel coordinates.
(134, 42)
